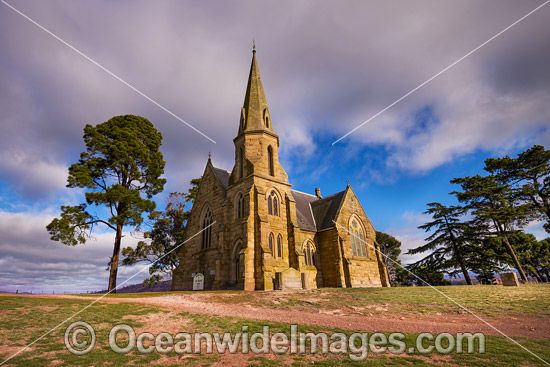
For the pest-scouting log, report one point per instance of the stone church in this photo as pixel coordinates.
(261, 234)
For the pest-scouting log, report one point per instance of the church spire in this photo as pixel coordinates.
(255, 113)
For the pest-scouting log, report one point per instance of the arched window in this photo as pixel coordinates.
(353, 243)
(207, 229)
(270, 160)
(279, 246)
(271, 240)
(309, 254)
(272, 204)
(240, 206)
(358, 244)
(241, 163)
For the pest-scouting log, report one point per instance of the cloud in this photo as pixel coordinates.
(537, 230)
(326, 68)
(31, 261)
(410, 235)
(32, 176)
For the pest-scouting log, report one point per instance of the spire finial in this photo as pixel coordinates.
(347, 180)
(209, 155)
(253, 45)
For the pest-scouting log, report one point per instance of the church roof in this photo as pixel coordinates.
(316, 214)
(303, 210)
(325, 210)
(223, 176)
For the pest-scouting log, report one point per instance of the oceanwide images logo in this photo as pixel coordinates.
(80, 339)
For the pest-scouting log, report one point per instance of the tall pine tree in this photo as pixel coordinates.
(121, 163)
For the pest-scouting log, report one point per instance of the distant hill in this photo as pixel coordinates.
(163, 286)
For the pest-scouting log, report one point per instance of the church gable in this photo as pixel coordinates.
(350, 206)
(211, 195)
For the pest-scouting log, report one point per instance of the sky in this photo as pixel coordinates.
(326, 67)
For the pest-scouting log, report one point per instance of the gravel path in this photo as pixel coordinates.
(528, 326)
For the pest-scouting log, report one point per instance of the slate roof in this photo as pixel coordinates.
(303, 210)
(316, 214)
(325, 210)
(223, 176)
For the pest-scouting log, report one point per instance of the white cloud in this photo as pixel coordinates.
(409, 234)
(31, 261)
(34, 174)
(537, 230)
(326, 68)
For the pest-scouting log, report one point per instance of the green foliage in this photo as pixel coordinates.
(122, 161)
(529, 177)
(451, 243)
(496, 207)
(428, 274)
(165, 237)
(516, 191)
(391, 247)
(534, 254)
(64, 230)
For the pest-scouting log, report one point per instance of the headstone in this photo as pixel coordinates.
(198, 282)
(509, 279)
(289, 279)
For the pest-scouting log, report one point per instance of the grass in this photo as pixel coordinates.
(148, 294)
(533, 299)
(23, 319)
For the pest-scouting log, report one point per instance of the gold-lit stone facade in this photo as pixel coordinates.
(310, 245)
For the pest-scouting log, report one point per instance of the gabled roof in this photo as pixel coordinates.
(223, 176)
(326, 209)
(303, 210)
(316, 214)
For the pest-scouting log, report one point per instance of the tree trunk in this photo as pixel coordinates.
(539, 275)
(514, 258)
(465, 272)
(114, 260)
(463, 267)
(461, 261)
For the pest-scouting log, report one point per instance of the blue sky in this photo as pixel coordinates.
(326, 68)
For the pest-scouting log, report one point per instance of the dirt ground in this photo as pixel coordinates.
(529, 326)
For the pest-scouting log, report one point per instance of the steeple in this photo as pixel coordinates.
(256, 144)
(255, 113)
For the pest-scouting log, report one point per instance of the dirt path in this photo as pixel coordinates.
(528, 326)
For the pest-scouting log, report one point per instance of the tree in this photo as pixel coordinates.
(448, 243)
(534, 254)
(121, 163)
(545, 254)
(495, 206)
(428, 274)
(529, 176)
(486, 257)
(391, 247)
(166, 236)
